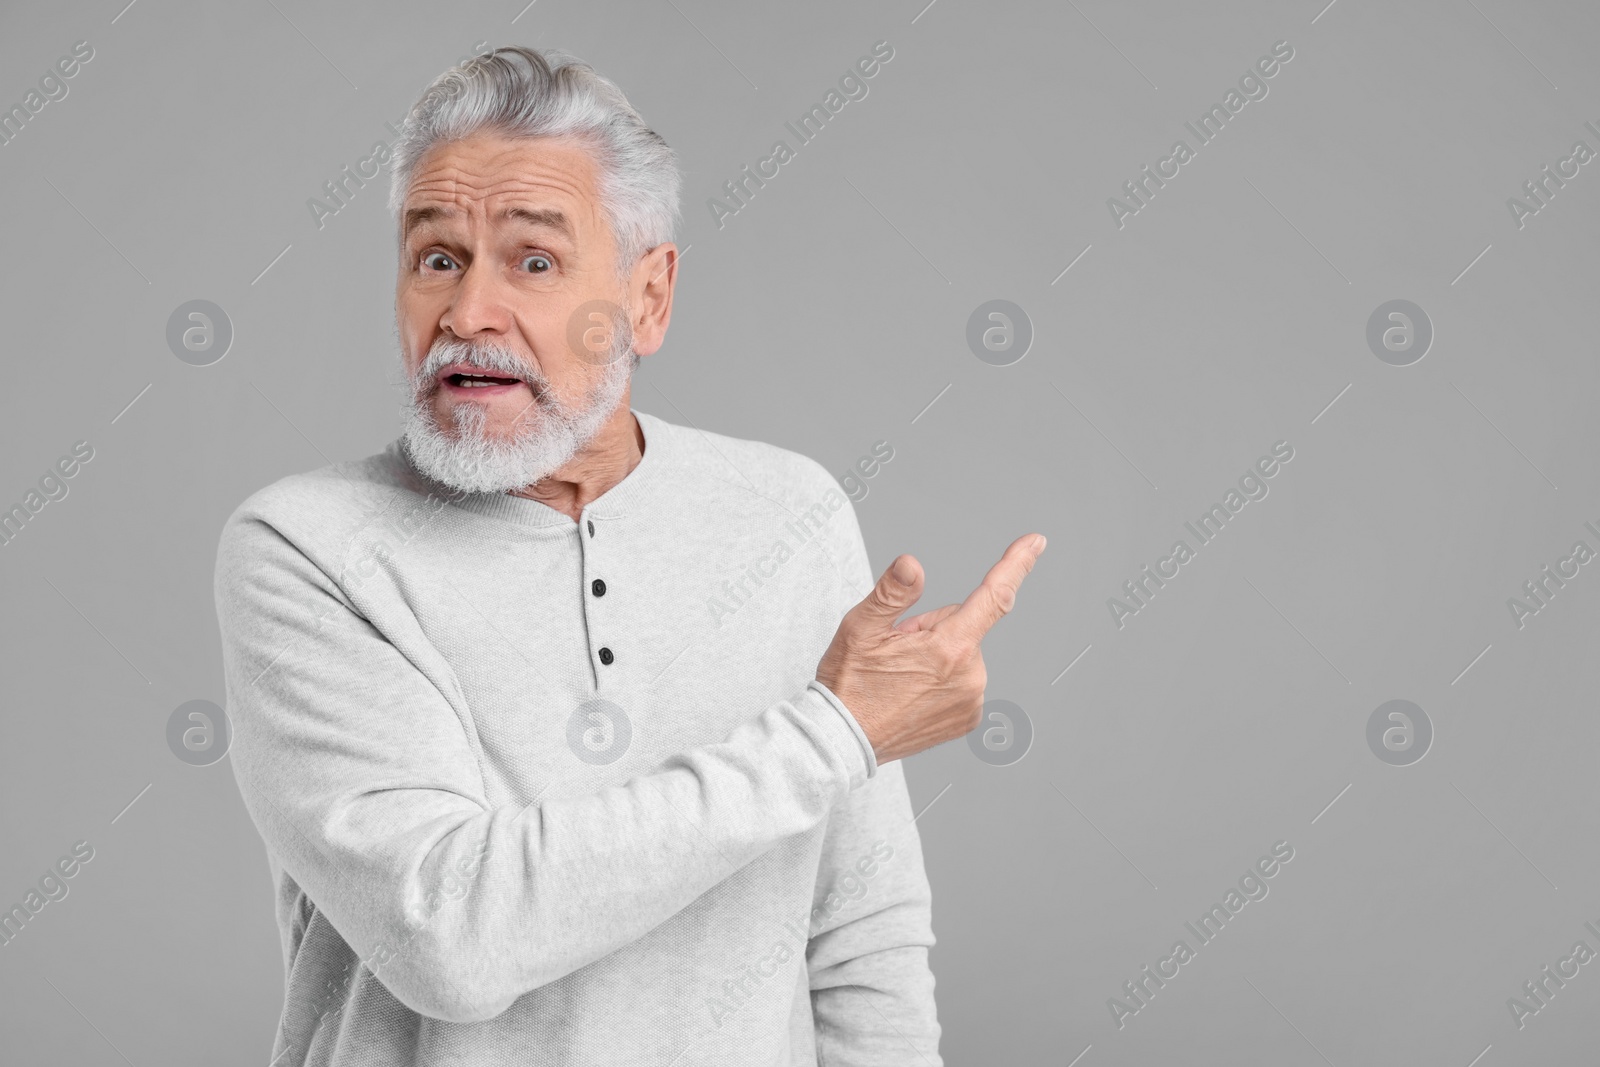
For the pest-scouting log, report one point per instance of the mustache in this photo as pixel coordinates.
(490, 355)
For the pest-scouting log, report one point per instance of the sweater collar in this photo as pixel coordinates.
(631, 494)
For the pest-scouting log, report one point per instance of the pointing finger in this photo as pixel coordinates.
(997, 593)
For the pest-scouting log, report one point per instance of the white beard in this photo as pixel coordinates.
(541, 442)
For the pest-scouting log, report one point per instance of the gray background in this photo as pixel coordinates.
(825, 316)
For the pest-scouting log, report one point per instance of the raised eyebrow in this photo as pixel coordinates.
(546, 217)
(419, 215)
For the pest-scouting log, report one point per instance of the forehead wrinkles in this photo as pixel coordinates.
(474, 185)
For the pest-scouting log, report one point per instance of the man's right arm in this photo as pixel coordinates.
(365, 784)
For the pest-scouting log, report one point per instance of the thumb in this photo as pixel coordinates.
(898, 588)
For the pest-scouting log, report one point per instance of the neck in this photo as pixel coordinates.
(613, 454)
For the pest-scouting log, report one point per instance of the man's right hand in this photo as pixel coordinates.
(920, 683)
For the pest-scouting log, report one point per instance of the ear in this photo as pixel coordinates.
(650, 294)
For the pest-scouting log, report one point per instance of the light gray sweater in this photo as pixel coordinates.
(544, 792)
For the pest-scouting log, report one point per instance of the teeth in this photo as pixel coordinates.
(477, 380)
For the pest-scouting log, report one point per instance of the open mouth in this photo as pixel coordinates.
(464, 379)
(479, 381)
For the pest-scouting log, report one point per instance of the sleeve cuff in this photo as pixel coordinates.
(865, 764)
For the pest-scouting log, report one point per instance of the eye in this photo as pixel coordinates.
(437, 256)
(543, 261)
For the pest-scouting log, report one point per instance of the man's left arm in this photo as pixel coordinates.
(871, 920)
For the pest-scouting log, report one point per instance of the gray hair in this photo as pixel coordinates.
(523, 93)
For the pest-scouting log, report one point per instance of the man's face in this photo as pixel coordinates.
(504, 246)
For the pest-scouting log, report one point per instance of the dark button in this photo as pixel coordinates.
(591, 526)
(599, 587)
(606, 657)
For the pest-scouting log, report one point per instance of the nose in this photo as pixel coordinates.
(478, 305)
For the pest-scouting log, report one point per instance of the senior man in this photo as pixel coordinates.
(525, 798)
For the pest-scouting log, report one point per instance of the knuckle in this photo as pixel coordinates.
(948, 657)
(970, 651)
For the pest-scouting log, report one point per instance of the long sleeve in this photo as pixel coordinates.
(872, 991)
(360, 769)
